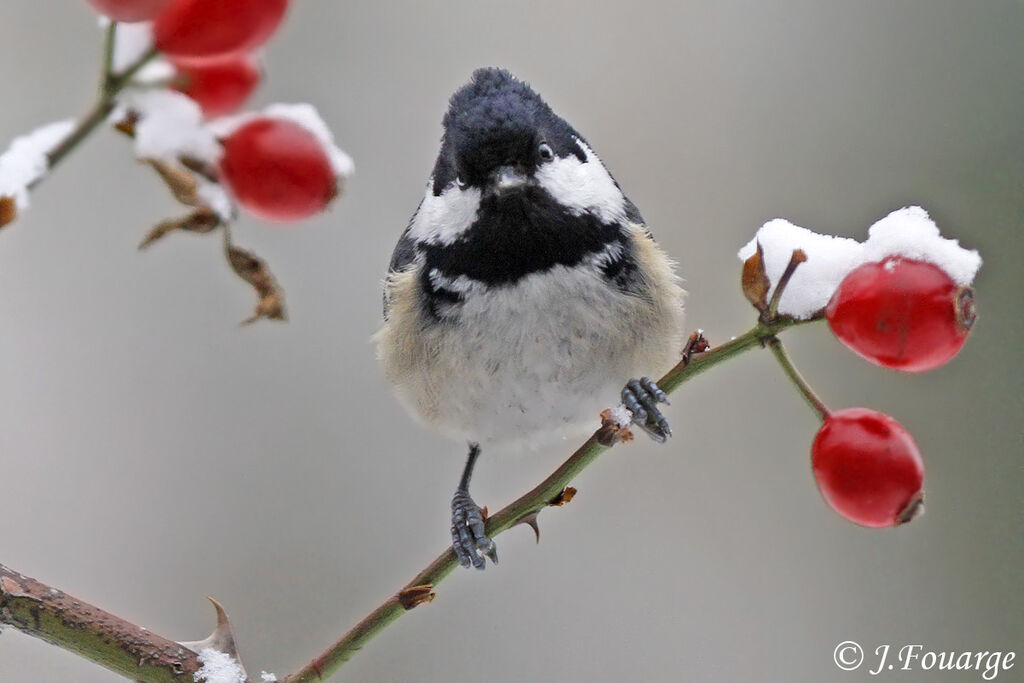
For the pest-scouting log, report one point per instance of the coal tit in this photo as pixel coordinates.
(525, 290)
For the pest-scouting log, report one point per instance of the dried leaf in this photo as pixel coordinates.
(201, 221)
(253, 270)
(127, 124)
(567, 494)
(8, 210)
(180, 180)
(755, 282)
(610, 432)
(416, 595)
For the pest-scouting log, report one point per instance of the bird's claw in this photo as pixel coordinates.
(469, 540)
(641, 397)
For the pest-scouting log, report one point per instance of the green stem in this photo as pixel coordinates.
(107, 73)
(112, 84)
(526, 505)
(794, 376)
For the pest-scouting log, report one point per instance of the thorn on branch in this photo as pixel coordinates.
(221, 639)
(416, 595)
(530, 520)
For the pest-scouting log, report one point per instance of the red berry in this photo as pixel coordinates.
(902, 314)
(221, 87)
(868, 468)
(278, 170)
(200, 30)
(130, 10)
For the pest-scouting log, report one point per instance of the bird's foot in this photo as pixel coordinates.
(470, 541)
(641, 397)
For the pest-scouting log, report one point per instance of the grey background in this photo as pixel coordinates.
(152, 452)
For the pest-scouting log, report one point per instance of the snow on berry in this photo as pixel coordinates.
(278, 169)
(303, 114)
(907, 232)
(26, 162)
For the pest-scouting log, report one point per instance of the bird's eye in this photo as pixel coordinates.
(545, 151)
(460, 182)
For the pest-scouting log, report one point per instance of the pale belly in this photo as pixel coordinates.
(533, 360)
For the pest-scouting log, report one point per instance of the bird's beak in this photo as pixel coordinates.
(506, 179)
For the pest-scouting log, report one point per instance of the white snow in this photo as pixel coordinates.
(303, 114)
(25, 161)
(131, 42)
(268, 677)
(215, 197)
(622, 416)
(907, 233)
(218, 667)
(170, 126)
(910, 233)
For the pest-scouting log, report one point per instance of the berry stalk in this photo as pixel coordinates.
(813, 400)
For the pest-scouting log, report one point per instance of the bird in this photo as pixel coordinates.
(526, 292)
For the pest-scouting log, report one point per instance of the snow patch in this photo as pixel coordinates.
(25, 161)
(170, 126)
(218, 667)
(907, 233)
(622, 416)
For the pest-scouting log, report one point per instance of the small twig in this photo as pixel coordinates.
(798, 381)
(798, 257)
(107, 73)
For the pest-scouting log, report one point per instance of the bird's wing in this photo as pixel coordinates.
(402, 257)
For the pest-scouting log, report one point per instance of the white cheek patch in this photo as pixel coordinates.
(444, 218)
(583, 186)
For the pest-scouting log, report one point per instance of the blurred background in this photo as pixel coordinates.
(154, 452)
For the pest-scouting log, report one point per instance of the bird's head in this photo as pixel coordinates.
(498, 134)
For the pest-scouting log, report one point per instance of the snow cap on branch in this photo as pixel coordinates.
(26, 161)
(907, 233)
(170, 125)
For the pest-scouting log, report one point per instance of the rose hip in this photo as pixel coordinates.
(278, 170)
(902, 314)
(868, 468)
(195, 31)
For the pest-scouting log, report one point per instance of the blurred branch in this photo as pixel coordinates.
(551, 491)
(110, 85)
